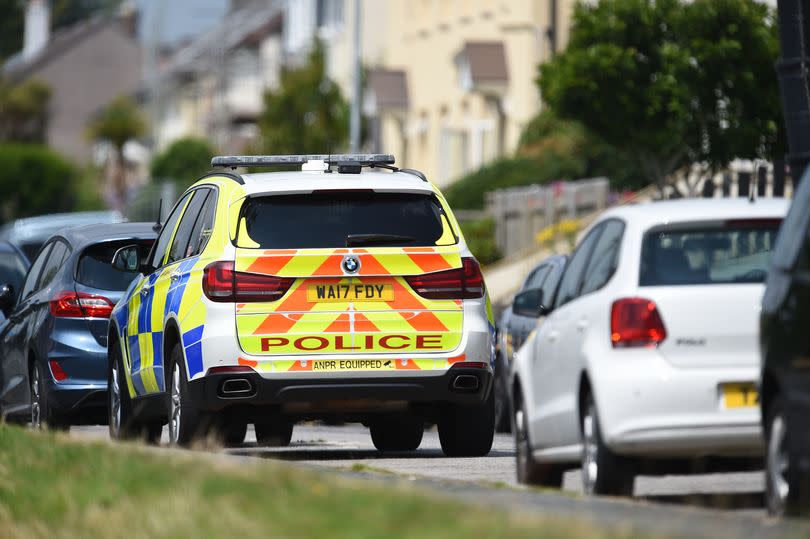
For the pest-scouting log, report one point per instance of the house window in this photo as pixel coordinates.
(329, 14)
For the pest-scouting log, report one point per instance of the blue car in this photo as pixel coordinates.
(13, 266)
(53, 344)
(29, 233)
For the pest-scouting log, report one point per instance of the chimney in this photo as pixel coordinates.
(37, 27)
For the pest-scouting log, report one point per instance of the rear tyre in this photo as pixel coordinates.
(274, 433)
(603, 472)
(186, 422)
(786, 491)
(530, 471)
(468, 431)
(42, 413)
(397, 433)
(503, 419)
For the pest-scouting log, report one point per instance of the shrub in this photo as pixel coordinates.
(480, 237)
(35, 180)
(184, 161)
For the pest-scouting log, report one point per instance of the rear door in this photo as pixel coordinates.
(707, 281)
(351, 261)
(144, 333)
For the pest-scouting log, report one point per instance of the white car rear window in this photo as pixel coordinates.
(715, 253)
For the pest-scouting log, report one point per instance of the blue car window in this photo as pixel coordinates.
(54, 263)
(33, 273)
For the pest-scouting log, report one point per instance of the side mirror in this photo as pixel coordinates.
(130, 258)
(530, 303)
(6, 297)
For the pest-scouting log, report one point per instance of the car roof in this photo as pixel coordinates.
(84, 235)
(43, 227)
(651, 214)
(299, 181)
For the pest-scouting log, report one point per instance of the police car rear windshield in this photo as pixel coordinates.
(334, 219)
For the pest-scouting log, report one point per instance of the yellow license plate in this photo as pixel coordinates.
(320, 293)
(740, 395)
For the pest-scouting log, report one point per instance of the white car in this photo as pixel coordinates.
(647, 355)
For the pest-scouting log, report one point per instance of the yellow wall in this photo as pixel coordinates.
(423, 38)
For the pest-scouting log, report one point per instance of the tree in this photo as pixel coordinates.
(183, 161)
(119, 122)
(11, 27)
(35, 180)
(24, 111)
(307, 113)
(668, 82)
(69, 12)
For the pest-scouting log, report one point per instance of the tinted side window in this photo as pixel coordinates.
(190, 216)
(33, 273)
(572, 277)
(204, 226)
(536, 278)
(550, 284)
(54, 263)
(162, 242)
(603, 261)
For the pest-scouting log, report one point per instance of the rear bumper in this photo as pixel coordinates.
(362, 394)
(650, 408)
(81, 404)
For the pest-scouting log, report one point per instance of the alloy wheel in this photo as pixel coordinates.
(777, 467)
(36, 400)
(115, 401)
(175, 407)
(590, 452)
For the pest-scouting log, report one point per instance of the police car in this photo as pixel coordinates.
(343, 290)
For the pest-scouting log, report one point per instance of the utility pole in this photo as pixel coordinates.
(354, 120)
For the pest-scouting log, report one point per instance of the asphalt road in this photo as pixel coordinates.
(716, 506)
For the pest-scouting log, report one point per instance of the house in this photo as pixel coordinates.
(213, 87)
(86, 66)
(455, 84)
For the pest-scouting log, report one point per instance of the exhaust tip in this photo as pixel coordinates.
(236, 387)
(465, 382)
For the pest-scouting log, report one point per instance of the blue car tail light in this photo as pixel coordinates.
(69, 304)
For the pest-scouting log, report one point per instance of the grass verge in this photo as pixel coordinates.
(53, 486)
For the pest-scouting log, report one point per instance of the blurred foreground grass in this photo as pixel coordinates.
(53, 486)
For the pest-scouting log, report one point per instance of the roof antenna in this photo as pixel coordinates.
(157, 226)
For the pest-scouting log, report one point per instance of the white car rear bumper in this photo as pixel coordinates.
(647, 407)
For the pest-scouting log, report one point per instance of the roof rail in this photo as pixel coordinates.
(235, 177)
(364, 159)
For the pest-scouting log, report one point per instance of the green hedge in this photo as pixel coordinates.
(35, 180)
(480, 236)
(468, 192)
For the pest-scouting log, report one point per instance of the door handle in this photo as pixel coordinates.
(582, 325)
(553, 335)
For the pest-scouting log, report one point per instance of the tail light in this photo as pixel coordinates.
(222, 283)
(636, 322)
(69, 304)
(56, 370)
(466, 282)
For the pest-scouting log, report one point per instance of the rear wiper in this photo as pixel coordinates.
(356, 240)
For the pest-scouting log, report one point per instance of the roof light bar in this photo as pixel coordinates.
(363, 159)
